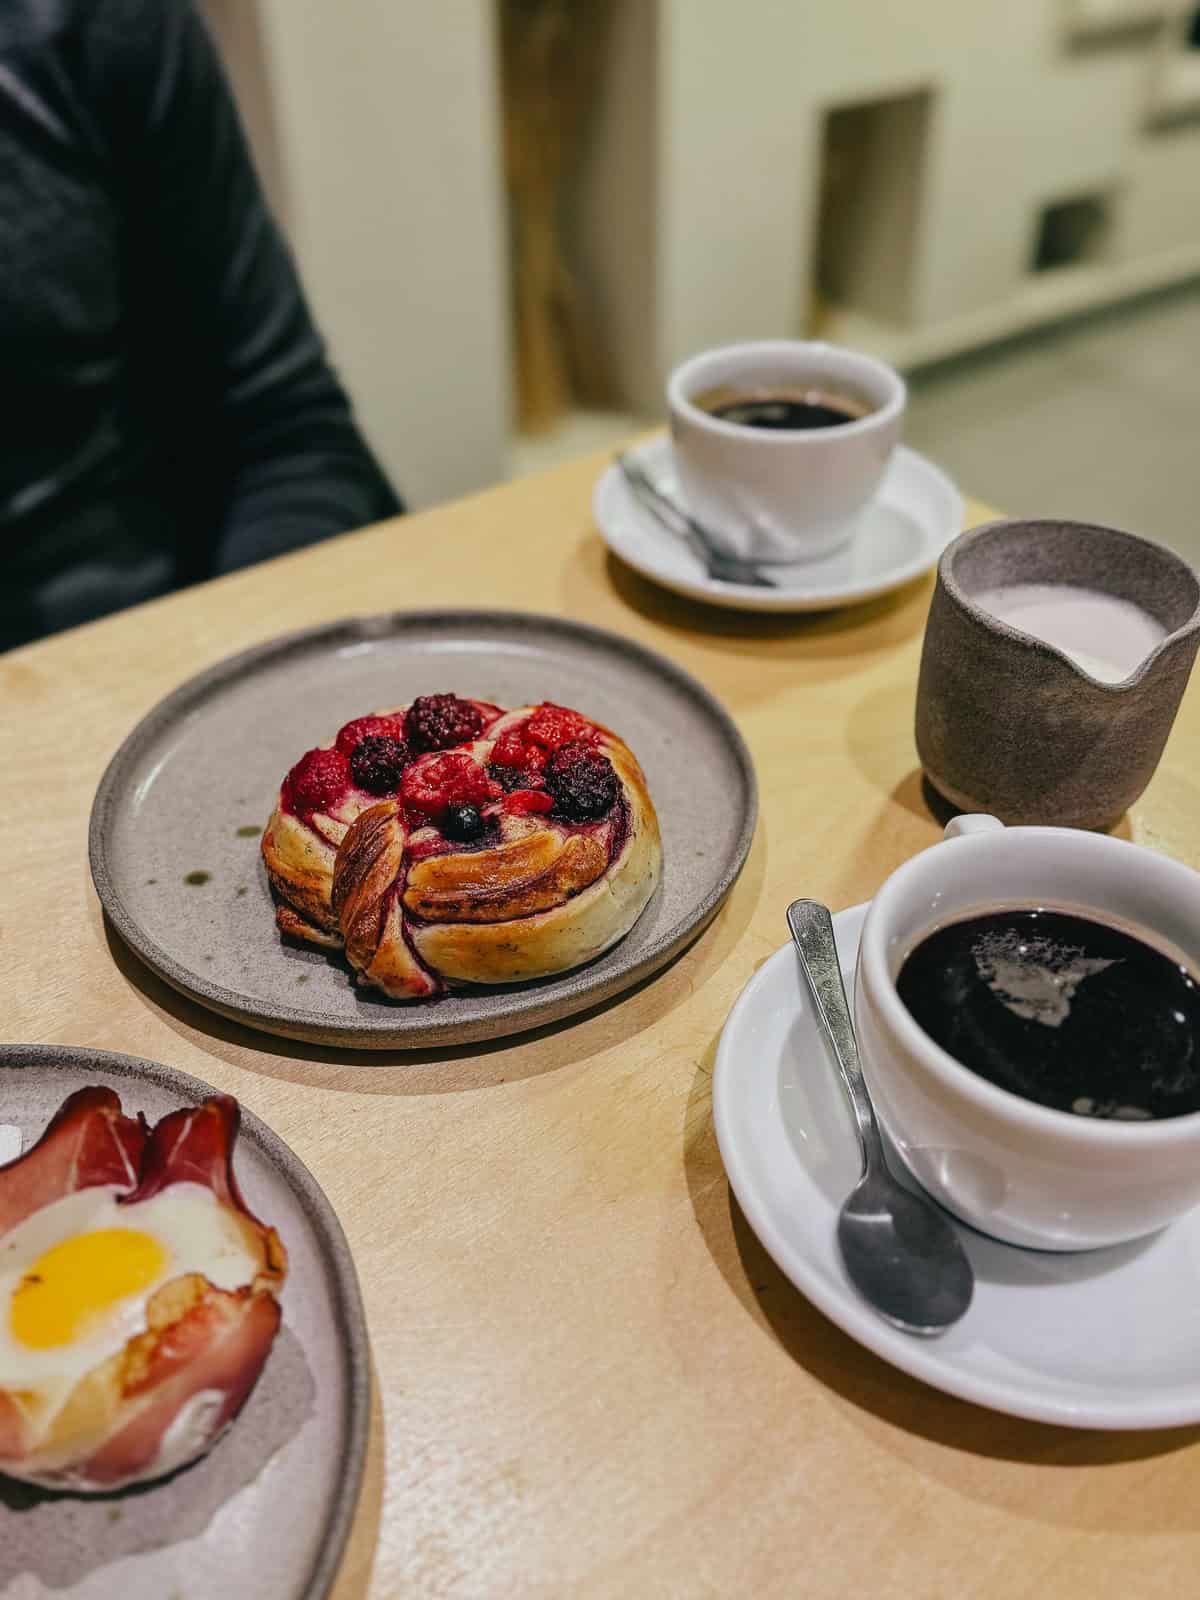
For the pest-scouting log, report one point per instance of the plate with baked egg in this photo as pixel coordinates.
(184, 1370)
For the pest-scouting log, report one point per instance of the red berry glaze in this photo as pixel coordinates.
(368, 728)
(435, 782)
(552, 726)
(318, 781)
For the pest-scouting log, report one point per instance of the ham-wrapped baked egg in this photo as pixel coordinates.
(138, 1296)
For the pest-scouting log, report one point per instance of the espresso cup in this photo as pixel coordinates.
(1013, 1168)
(789, 494)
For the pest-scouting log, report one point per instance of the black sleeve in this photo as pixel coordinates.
(214, 301)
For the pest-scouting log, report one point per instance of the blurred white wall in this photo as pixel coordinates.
(697, 218)
(714, 221)
(375, 126)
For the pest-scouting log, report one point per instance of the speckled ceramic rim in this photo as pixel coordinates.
(349, 1315)
(546, 1000)
(1006, 525)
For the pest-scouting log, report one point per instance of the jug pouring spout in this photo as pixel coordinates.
(1055, 657)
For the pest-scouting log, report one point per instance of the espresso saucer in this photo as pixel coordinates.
(914, 516)
(1097, 1339)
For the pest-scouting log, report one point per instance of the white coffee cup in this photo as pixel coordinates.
(783, 495)
(1020, 1171)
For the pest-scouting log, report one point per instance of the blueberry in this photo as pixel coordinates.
(463, 823)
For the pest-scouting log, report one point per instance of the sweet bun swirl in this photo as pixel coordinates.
(450, 842)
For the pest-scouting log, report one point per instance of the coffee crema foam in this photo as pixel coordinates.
(1036, 977)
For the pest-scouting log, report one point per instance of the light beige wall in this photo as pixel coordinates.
(1021, 116)
(238, 31)
(614, 224)
(1162, 204)
(380, 134)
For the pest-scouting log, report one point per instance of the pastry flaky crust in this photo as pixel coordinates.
(541, 897)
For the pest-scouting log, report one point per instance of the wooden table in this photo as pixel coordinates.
(590, 1377)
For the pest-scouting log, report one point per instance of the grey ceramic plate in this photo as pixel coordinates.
(294, 1457)
(185, 793)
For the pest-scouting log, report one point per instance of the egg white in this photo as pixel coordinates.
(197, 1233)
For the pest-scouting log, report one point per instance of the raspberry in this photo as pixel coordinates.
(437, 721)
(317, 781)
(436, 782)
(552, 726)
(378, 762)
(463, 823)
(366, 728)
(515, 764)
(511, 750)
(582, 781)
(521, 801)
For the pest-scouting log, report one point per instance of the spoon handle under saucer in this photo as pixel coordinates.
(812, 933)
(719, 566)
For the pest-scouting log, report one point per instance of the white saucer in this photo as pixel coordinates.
(1099, 1339)
(911, 521)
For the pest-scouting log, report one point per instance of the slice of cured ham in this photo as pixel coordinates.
(89, 1141)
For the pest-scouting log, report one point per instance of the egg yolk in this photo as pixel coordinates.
(70, 1285)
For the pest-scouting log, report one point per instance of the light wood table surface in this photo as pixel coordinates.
(590, 1379)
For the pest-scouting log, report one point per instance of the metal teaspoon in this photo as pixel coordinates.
(901, 1253)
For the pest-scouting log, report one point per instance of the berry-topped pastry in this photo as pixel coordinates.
(450, 841)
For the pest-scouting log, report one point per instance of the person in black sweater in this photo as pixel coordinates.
(168, 409)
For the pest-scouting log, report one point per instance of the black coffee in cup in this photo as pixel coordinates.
(1073, 1013)
(784, 409)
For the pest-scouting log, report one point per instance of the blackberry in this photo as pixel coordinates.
(510, 778)
(378, 762)
(463, 823)
(581, 781)
(439, 721)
